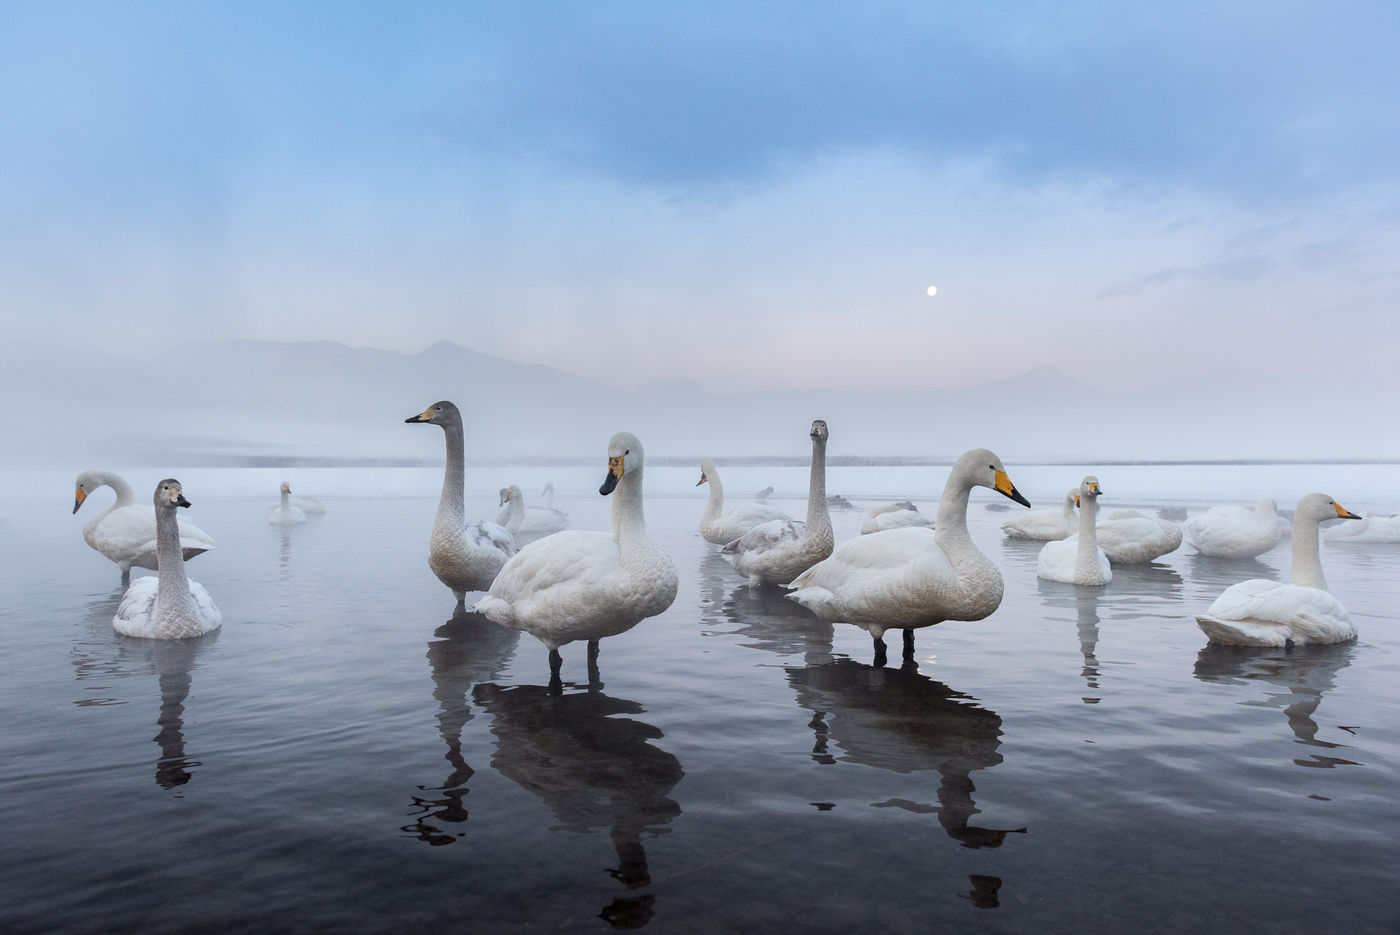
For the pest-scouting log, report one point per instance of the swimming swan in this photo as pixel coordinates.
(125, 532)
(916, 576)
(465, 556)
(583, 585)
(1128, 537)
(169, 605)
(892, 516)
(1259, 612)
(285, 513)
(1078, 559)
(1233, 531)
(720, 527)
(779, 550)
(528, 521)
(1045, 525)
(1372, 529)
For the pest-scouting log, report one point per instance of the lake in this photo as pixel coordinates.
(344, 755)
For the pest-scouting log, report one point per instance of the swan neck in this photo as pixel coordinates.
(172, 584)
(818, 514)
(123, 490)
(451, 506)
(950, 530)
(715, 506)
(286, 499)
(1068, 511)
(1088, 555)
(628, 517)
(1307, 557)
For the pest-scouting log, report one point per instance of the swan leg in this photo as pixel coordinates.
(461, 601)
(556, 684)
(595, 682)
(126, 576)
(908, 644)
(880, 657)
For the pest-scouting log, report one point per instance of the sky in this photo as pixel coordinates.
(750, 195)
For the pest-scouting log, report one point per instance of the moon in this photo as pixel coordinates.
(933, 290)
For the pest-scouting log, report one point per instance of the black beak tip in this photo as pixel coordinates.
(1016, 495)
(609, 484)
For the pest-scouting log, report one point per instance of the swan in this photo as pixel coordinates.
(308, 505)
(584, 585)
(779, 550)
(916, 576)
(720, 527)
(1045, 524)
(1233, 531)
(168, 606)
(125, 532)
(1128, 537)
(465, 556)
(547, 495)
(1078, 559)
(1372, 529)
(1259, 612)
(893, 516)
(285, 513)
(528, 521)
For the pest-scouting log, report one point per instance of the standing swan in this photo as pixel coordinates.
(1078, 559)
(903, 579)
(126, 532)
(286, 513)
(1259, 612)
(779, 550)
(1045, 525)
(720, 527)
(465, 556)
(582, 585)
(169, 606)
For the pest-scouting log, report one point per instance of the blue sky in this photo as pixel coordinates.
(751, 195)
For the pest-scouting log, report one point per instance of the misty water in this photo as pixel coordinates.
(344, 756)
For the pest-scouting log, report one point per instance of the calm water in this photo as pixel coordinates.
(343, 756)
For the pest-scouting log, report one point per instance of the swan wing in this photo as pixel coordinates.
(891, 577)
(561, 579)
(1037, 524)
(1259, 612)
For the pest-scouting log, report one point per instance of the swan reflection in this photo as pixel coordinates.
(1292, 679)
(467, 649)
(903, 721)
(762, 618)
(592, 768)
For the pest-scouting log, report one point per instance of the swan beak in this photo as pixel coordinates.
(1342, 512)
(615, 470)
(181, 501)
(78, 497)
(425, 416)
(702, 480)
(1004, 487)
(1095, 489)
(1076, 501)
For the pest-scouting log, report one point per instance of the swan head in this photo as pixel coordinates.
(169, 495)
(981, 468)
(510, 493)
(1318, 507)
(1088, 487)
(441, 412)
(286, 487)
(84, 485)
(624, 457)
(819, 431)
(707, 468)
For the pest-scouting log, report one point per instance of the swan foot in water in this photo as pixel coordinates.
(556, 684)
(595, 681)
(126, 576)
(880, 657)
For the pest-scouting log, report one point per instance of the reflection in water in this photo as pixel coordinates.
(467, 649)
(285, 558)
(174, 659)
(593, 769)
(904, 721)
(1303, 672)
(1085, 602)
(764, 619)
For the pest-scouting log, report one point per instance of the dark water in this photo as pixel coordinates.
(343, 756)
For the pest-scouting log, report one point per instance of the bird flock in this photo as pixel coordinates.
(905, 571)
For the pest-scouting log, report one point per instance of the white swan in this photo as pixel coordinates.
(125, 532)
(1128, 537)
(169, 605)
(780, 550)
(308, 505)
(720, 527)
(285, 513)
(892, 516)
(1078, 559)
(1372, 529)
(916, 576)
(547, 495)
(582, 585)
(465, 556)
(1233, 531)
(1259, 612)
(528, 521)
(1045, 524)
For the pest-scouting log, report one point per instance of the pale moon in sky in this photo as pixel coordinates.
(933, 290)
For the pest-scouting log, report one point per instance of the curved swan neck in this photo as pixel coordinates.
(950, 530)
(628, 517)
(818, 514)
(451, 507)
(1307, 557)
(123, 490)
(715, 506)
(1068, 510)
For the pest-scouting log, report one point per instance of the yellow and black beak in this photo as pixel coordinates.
(1342, 512)
(425, 416)
(702, 479)
(615, 471)
(78, 497)
(1004, 487)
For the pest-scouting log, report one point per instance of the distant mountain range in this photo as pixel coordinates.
(252, 402)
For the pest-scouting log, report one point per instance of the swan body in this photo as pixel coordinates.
(1130, 538)
(169, 605)
(582, 585)
(529, 521)
(915, 576)
(1078, 559)
(892, 516)
(126, 532)
(286, 513)
(1371, 529)
(1233, 531)
(1045, 525)
(464, 556)
(1259, 612)
(722, 527)
(779, 550)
